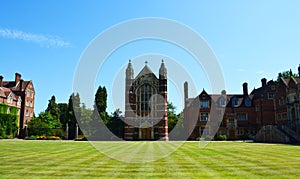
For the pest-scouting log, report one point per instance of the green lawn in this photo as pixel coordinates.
(62, 159)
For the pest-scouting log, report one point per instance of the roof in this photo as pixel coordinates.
(144, 71)
(12, 85)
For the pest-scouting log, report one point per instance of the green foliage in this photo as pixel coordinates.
(286, 75)
(53, 108)
(101, 99)
(3, 108)
(220, 138)
(8, 122)
(45, 125)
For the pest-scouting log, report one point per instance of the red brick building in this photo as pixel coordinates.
(146, 115)
(270, 113)
(20, 94)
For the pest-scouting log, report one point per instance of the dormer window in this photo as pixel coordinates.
(204, 104)
(9, 99)
(248, 102)
(222, 102)
(235, 102)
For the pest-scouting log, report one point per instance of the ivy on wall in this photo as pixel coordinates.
(8, 121)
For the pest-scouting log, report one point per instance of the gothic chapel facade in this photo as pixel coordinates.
(146, 115)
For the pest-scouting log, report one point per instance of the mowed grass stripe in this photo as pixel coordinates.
(50, 159)
(242, 162)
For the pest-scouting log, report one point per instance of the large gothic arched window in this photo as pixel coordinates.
(144, 105)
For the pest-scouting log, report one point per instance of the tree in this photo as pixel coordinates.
(44, 124)
(116, 125)
(101, 99)
(286, 75)
(172, 117)
(63, 115)
(74, 112)
(53, 108)
(101, 103)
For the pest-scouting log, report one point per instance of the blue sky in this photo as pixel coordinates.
(44, 40)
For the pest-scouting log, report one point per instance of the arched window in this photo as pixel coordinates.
(144, 105)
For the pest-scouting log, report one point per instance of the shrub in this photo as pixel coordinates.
(221, 138)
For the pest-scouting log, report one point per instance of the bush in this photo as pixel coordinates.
(221, 138)
(31, 138)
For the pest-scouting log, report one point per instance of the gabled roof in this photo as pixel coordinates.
(13, 86)
(146, 70)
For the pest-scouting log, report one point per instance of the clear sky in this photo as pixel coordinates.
(44, 40)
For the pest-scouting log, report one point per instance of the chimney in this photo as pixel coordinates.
(223, 92)
(17, 77)
(186, 90)
(299, 71)
(245, 89)
(263, 82)
(21, 84)
(1, 81)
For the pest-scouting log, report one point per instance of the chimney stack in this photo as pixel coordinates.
(1, 81)
(299, 71)
(186, 90)
(21, 84)
(17, 77)
(245, 89)
(263, 82)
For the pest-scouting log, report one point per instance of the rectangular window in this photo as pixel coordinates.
(271, 96)
(284, 116)
(204, 104)
(257, 108)
(278, 116)
(27, 113)
(282, 102)
(204, 117)
(241, 116)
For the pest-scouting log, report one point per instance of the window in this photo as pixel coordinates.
(271, 95)
(231, 122)
(235, 102)
(204, 104)
(27, 113)
(31, 114)
(248, 102)
(204, 117)
(273, 88)
(30, 103)
(222, 102)
(28, 93)
(19, 101)
(32, 94)
(9, 99)
(241, 116)
(284, 116)
(281, 102)
(144, 104)
(278, 116)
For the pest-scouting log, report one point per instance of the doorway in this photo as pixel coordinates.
(146, 133)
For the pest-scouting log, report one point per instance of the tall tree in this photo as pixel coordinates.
(63, 116)
(101, 103)
(101, 99)
(53, 108)
(73, 113)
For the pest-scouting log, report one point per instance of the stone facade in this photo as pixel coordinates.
(146, 116)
